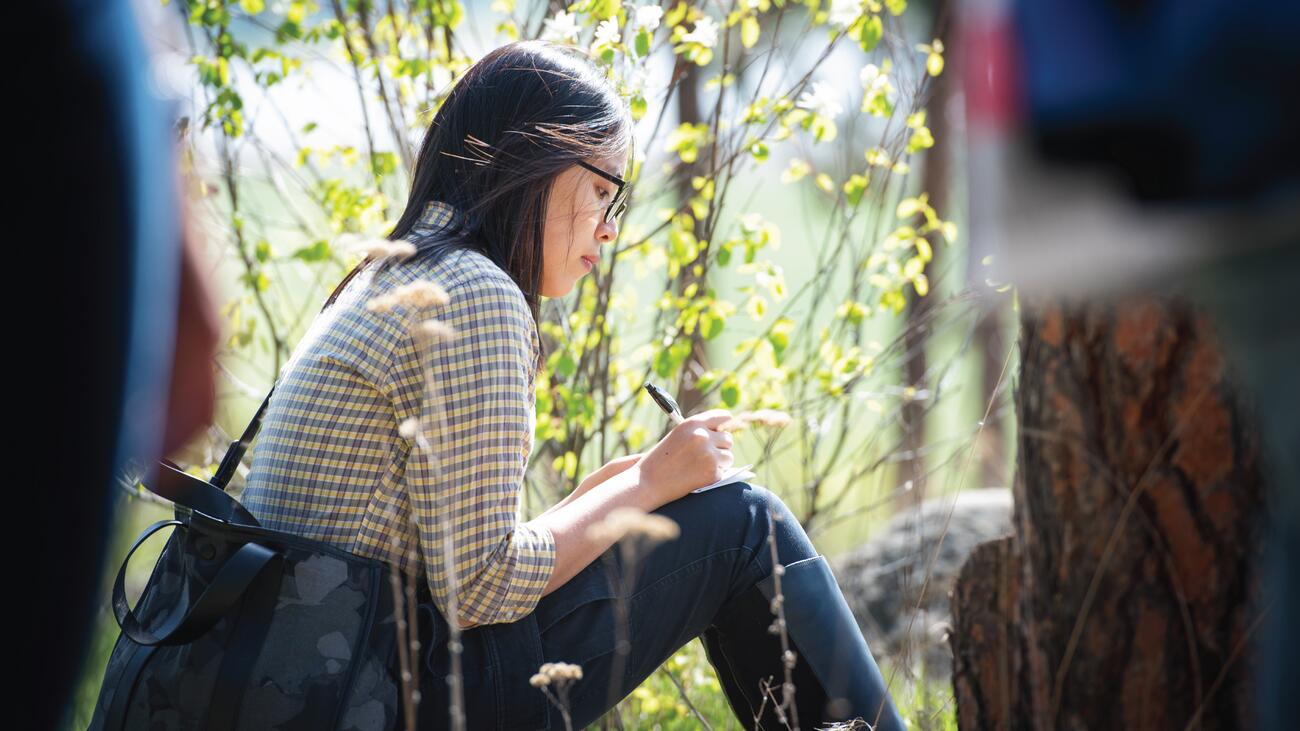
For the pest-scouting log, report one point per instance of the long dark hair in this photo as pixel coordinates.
(518, 118)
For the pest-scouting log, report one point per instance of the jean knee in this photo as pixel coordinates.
(779, 521)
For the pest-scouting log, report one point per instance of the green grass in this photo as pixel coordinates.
(657, 704)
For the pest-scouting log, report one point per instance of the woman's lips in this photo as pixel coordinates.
(591, 263)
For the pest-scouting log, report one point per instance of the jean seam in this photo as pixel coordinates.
(735, 677)
(494, 673)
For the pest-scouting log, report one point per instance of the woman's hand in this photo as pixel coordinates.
(697, 452)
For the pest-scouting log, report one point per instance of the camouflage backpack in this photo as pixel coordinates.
(243, 627)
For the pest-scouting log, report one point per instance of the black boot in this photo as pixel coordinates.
(835, 677)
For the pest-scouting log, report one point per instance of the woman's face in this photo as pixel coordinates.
(575, 225)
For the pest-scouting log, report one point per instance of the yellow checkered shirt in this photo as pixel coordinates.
(330, 464)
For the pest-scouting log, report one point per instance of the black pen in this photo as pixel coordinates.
(665, 402)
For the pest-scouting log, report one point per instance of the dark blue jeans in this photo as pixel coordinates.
(694, 586)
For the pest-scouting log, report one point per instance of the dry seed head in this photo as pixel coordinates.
(628, 522)
(734, 424)
(558, 673)
(416, 295)
(377, 248)
(409, 427)
(438, 331)
(767, 417)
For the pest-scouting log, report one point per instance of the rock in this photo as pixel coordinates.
(882, 579)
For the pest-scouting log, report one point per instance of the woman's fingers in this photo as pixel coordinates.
(713, 418)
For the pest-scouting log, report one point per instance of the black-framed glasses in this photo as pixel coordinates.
(619, 204)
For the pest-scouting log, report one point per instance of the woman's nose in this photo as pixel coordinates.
(607, 230)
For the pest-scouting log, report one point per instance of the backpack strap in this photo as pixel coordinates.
(235, 452)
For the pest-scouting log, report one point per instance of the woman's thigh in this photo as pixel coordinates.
(662, 599)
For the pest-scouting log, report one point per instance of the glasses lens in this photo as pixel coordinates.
(616, 209)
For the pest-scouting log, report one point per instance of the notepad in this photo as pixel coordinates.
(735, 474)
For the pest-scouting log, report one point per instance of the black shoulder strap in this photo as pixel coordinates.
(235, 453)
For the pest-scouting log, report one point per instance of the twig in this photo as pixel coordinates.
(686, 698)
(788, 657)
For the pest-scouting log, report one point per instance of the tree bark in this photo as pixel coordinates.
(935, 177)
(689, 397)
(1125, 597)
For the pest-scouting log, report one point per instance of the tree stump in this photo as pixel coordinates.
(1124, 598)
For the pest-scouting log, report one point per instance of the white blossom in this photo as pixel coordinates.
(874, 80)
(878, 96)
(705, 33)
(564, 26)
(648, 17)
(821, 100)
(606, 33)
(637, 79)
(844, 12)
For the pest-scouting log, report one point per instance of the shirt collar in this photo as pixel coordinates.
(437, 215)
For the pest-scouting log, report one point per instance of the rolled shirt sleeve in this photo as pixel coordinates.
(476, 407)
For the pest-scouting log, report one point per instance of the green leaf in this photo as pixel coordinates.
(566, 367)
(318, 251)
(568, 464)
(780, 336)
(853, 311)
(908, 207)
(252, 7)
(871, 33)
(663, 363)
(675, 16)
(711, 325)
(921, 140)
(934, 64)
(643, 43)
(854, 187)
(256, 280)
(749, 31)
(730, 392)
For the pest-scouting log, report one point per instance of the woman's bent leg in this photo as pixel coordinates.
(659, 601)
(703, 583)
(835, 676)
